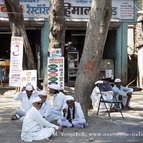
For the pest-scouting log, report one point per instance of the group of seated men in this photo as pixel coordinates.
(37, 114)
(120, 92)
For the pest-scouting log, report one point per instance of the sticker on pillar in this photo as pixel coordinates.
(56, 52)
(52, 83)
(52, 79)
(53, 74)
(53, 70)
(53, 66)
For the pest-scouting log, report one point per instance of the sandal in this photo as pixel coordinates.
(14, 117)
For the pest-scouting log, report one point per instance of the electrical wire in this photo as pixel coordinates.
(135, 5)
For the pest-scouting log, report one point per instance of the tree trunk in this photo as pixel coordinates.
(96, 33)
(18, 29)
(57, 29)
(57, 25)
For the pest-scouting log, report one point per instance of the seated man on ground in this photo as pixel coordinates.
(72, 114)
(35, 127)
(122, 93)
(59, 100)
(25, 96)
(45, 109)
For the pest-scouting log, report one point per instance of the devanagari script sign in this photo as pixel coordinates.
(79, 9)
(56, 72)
(74, 9)
(29, 8)
(16, 58)
(29, 76)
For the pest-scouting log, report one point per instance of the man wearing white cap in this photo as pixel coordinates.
(35, 127)
(25, 96)
(72, 114)
(122, 93)
(59, 100)
(95, 97)
(45, 109)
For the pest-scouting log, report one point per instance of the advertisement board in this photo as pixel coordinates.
(16, 59)
(55, 72)
(29, 76)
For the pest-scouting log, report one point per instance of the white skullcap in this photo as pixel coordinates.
(54, 87)
(36, 99)
(68, 97)
(117, 80)
(99, 81)
(42, 93)
(29, 87)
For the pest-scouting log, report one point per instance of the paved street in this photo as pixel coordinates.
(100, 129)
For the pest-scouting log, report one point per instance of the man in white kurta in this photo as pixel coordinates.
(122, 93)
(72, 114)
(25, 96)
(35, 127)
(95, 97)
(45, 109)
(59, 100)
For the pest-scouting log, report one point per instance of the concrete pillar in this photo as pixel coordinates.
(118, 53)
(121, 61)
(44, 48)
(124, 54)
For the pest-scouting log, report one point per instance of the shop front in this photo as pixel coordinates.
(114, 61)
(37, 28)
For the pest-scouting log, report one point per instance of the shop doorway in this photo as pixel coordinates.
(5, 38)
(74, 44)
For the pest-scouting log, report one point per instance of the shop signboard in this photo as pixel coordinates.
(16, 59)
(29, 8)
(74, 9)
(55, 72)
(28, 77)
(79, 9)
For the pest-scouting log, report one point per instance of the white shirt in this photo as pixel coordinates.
(33, 123)
(59, 101)
(121, 90)
(95, 98)
(78, 111)
(45, 110)
(26, 103)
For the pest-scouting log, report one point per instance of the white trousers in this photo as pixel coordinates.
(20, 112)
(44, 133)
(78, 123)
(54, 115)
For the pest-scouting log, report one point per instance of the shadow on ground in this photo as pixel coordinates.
(100, 129)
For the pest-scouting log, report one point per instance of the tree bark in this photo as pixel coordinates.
(57, 29)
(96, 33)
(57, 25)
(17, 26)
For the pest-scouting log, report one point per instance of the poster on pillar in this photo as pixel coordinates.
(55, 72)
(16, 59)
(28, 77)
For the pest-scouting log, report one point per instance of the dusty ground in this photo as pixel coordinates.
(100, 129)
